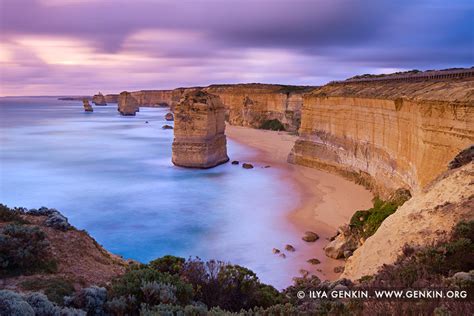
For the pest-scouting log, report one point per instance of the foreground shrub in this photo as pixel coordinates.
(13, 304)
(91, 299)
(54, 288)
(24, 249)
(11, 215)
(273, 125)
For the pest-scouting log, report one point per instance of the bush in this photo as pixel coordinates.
(24, 249)
(11, 215)
(41, 305)
(13, 304)
(91, 299)
(273, 125)
(54, 288)
(365, 223)
(168, 264)
(136, 279)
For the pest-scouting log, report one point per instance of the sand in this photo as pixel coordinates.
(326, 201)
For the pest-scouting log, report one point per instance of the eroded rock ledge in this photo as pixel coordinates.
(199, 126)
(402, 134)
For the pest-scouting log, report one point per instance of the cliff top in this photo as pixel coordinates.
(459, 90)
(265, 87)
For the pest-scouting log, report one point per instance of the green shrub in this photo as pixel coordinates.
(273, 125)
(169, 264)
(54, 288)
(24, 250)
(11, 215)
(366, 222)
(132, 282)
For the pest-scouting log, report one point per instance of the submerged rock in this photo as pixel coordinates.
(169, 116)
(289, 248)
(166, 126)
(247, 166)
(199, 131)
(339, 269)
(313, 261)
(87, 106)
(235, 162)
(127, 104)
(282, 255)
(310, 236)
(99, 99)
(275, 250)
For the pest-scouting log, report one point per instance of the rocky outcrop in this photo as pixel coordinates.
(127, 104)
(386, 135)
(87, 106)
(99, 99)
(423, 220)
(251, 105)
(199, 126)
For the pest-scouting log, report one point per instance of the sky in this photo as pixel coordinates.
(80, 47)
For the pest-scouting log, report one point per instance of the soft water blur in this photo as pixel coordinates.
(113, 176)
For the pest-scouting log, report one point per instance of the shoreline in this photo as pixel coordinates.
(326, 201)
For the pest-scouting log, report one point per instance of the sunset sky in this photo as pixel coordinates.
(61, 47)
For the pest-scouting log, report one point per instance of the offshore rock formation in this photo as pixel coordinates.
(127, 104)
(99, 99)
(251, 105)
(386, 134)
(199, 126)
(424, 219)
(87, 106)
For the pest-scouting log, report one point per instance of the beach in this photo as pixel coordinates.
(326, 201)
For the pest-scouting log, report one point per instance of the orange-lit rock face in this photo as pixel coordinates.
(199, 127)
(252, 104)
(99, 99)
(127, 104)
(383, 140)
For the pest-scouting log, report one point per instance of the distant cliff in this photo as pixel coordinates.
(248, 105)
(386, 134)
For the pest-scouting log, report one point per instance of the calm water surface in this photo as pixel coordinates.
(113, 176)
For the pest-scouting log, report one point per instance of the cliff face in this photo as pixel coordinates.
(386, 135)
(111, 98)
(424, 219)
(251, 105)
(127, 104)
(199, 126)
(99, 99)
(153, 98)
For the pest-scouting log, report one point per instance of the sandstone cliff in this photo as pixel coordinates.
(199, 126)
(127, 104)
(99, 99)
(424, 219)
(251, 105)
(386, 135)
(111, 98)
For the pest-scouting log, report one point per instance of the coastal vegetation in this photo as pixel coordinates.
(272, 125)
(176, 286)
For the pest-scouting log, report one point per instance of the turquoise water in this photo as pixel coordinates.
(113, 176)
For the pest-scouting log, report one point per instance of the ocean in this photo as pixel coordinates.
(112, 176)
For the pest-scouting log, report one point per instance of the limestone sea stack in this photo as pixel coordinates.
(99, 99)
(87, 106)
(199, 131)
(127, 104)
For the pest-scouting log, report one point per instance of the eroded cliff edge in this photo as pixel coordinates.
(386, 135)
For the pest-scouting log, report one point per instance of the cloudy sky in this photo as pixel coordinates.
(57, 47)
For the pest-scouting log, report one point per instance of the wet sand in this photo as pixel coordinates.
(326, 201)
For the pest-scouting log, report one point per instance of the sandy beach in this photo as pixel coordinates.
(326, 201)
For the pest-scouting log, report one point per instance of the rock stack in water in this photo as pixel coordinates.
(99, 99)
(199, 126)
(127, 104)
(87, 106)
